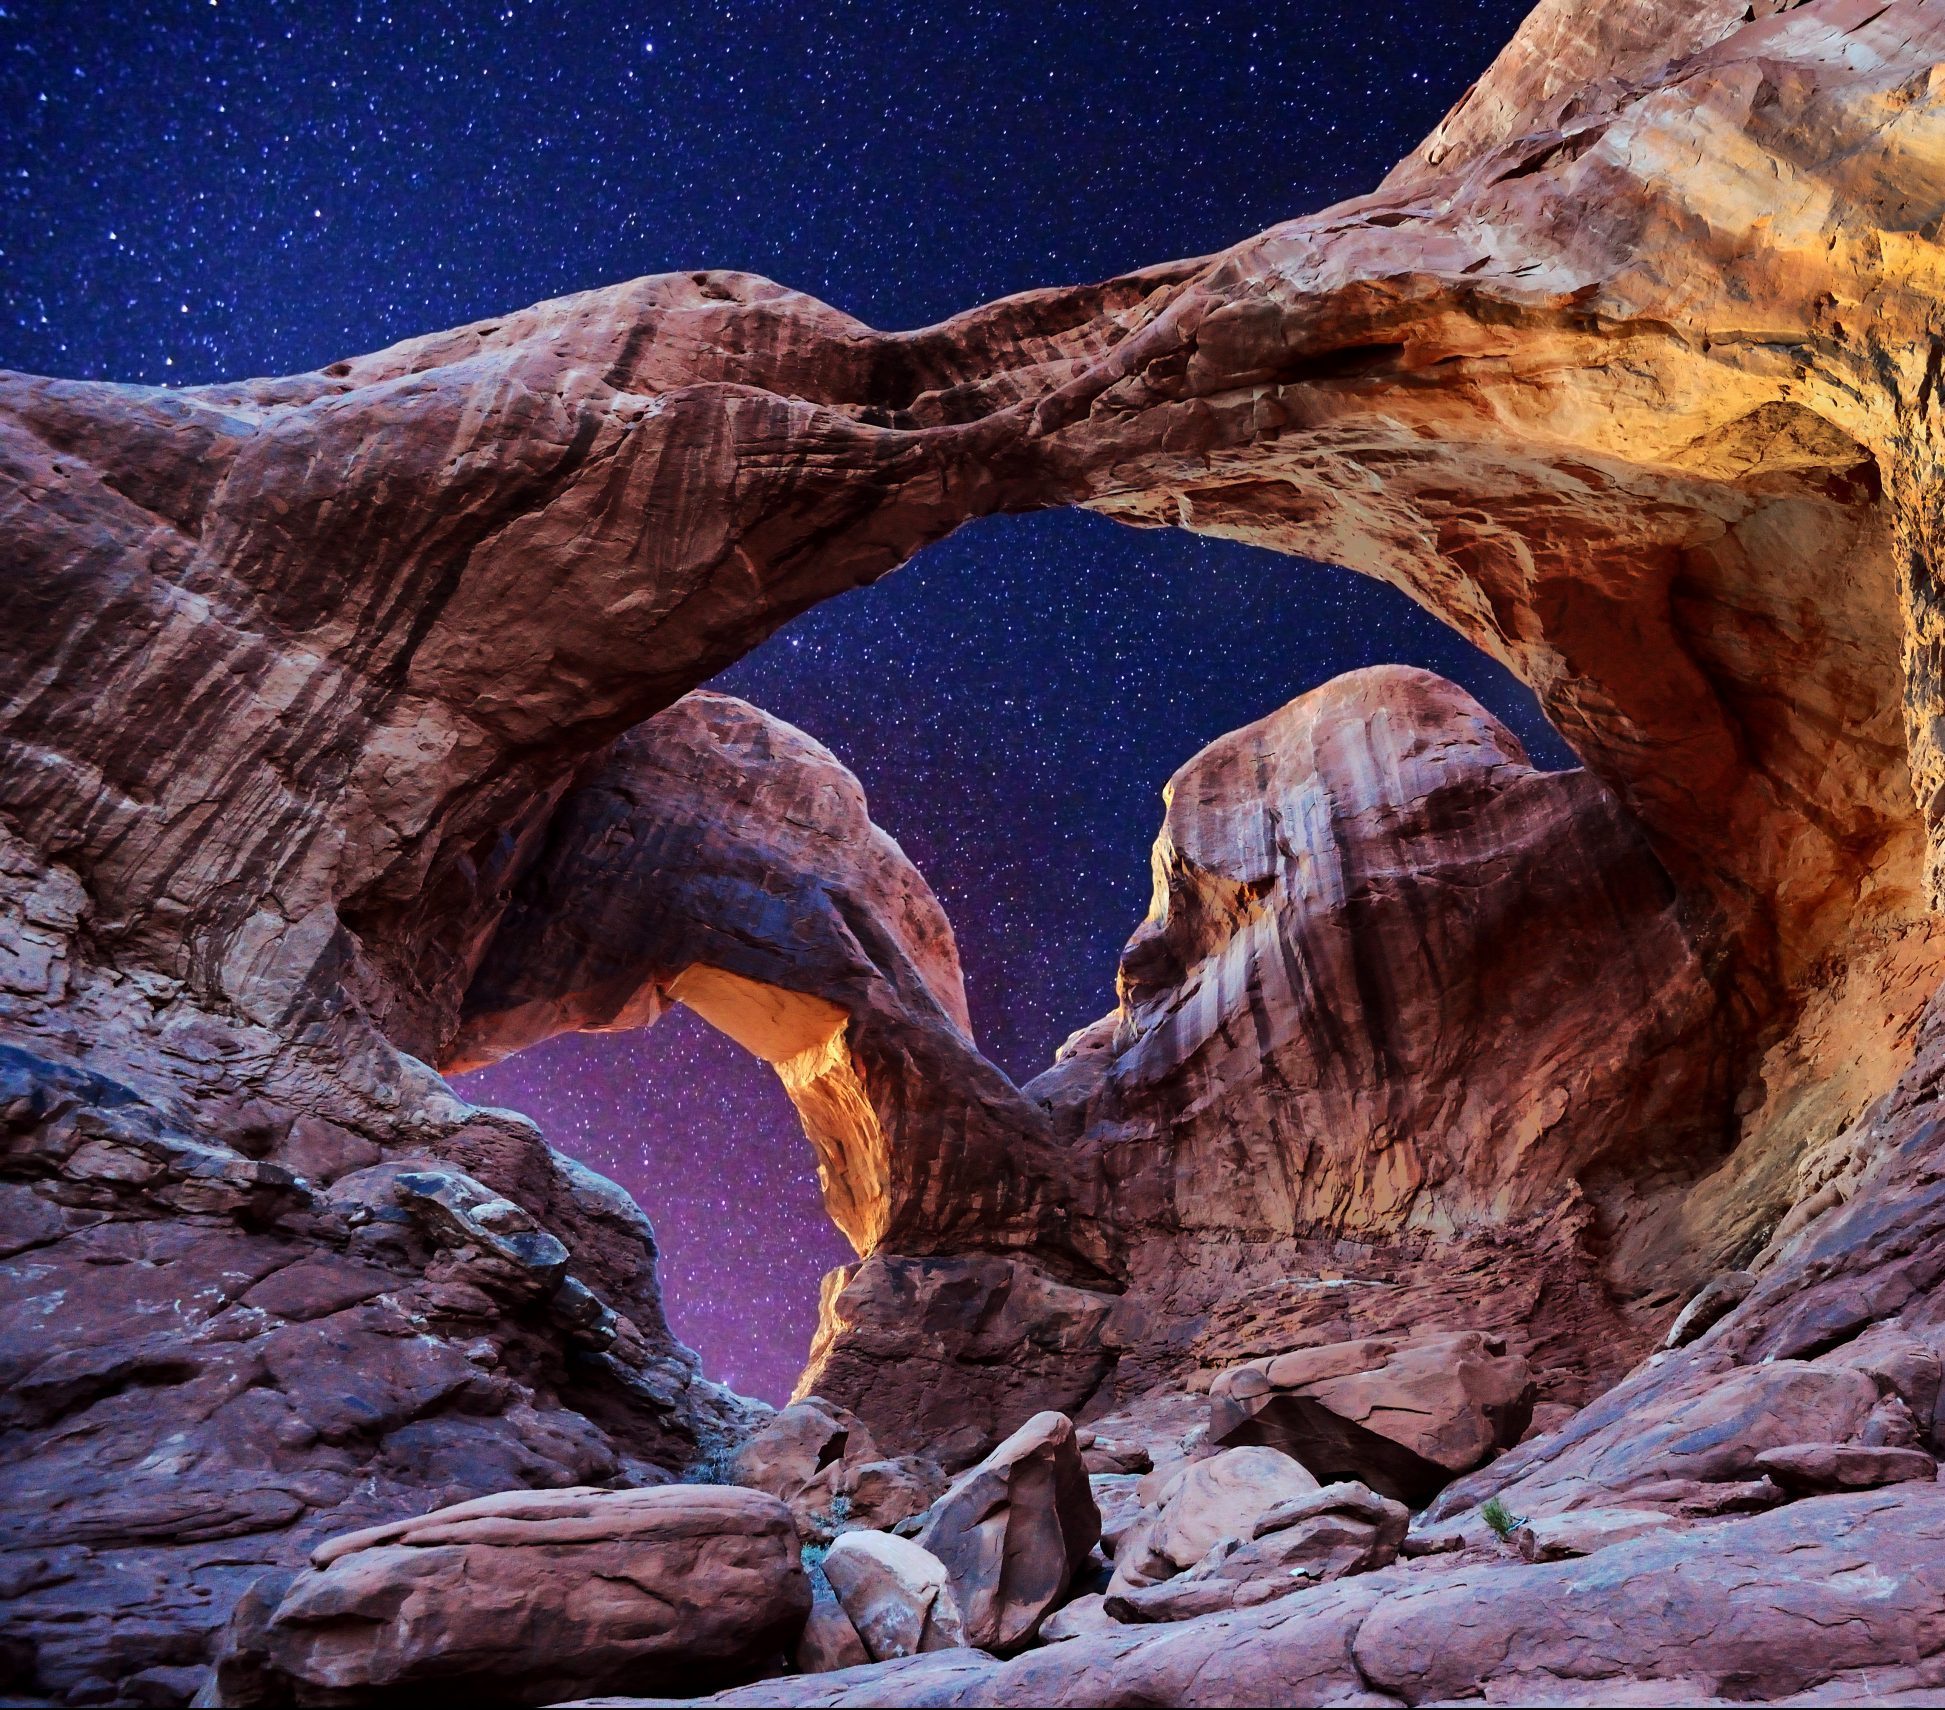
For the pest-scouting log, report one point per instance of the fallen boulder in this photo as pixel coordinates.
(533, 1595)
(820, 1459)
(1405, 1417)
(1811, 1468)
(1339, 1530)
(1209, 1500)
(1085, 1615)
(1583, 1531)
(829, 1641)
(1013, 1531)
(798, 1448)
(896, 1594)
(888, 1493)
(801, 1457)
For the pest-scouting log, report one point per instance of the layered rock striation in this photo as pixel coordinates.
(1410, 1030)
(1630, 374)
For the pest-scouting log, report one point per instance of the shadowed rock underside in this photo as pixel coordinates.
(349, 727)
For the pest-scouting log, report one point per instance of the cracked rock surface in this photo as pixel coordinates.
(349, 724)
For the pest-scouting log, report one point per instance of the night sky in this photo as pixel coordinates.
(213, 190)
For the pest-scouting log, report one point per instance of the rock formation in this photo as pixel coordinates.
(718, 858)
(1403, 1419)
(1340, 1529)
(1401, 1012)
(1014, 1532)
(896, 1595)
(1837, 1596)
(1631, 373)
(519, 1598)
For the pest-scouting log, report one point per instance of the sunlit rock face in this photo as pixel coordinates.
(331, 735)
(1400, 988)
(720, 858)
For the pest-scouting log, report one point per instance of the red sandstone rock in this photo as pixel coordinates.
(1811, 1468)
(799, 1455)
(897, 1594)
(1661, 1434)
(821, 1460)
(535, 1594)
(1013, 1532)
(1837, 1596)
(942, 1352)
(1404, 1417)
(1306, 1540)
(1630, 374)
(719, 858)
(1222, 1497)
(1085, 1614)
(1349, 1014)
(829, 1641)
(1118, 1500)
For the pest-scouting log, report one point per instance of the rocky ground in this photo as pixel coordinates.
(1494, 1249)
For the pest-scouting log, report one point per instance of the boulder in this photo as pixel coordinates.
(529, 1596)
(1583, 1531)
(1329, 1533)
(1086, 1614)
(828, 1641)
(1405, 1416)
(1221, 1497)
(797, 1449)
(1013, 1532)
(821, 1459)
(895, 1593)
(887, 1493)
(1802, 1468)
(801, 1456)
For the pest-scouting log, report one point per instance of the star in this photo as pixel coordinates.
(1013, 700)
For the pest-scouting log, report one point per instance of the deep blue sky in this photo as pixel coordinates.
(202, 191)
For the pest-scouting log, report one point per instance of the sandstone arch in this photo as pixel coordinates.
(719, 858)
(1632, 374)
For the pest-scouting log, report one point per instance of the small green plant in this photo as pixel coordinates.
(823, 1527)
(812, 1556)
(712, 1467)
(826, 1523)
(1503, 1521)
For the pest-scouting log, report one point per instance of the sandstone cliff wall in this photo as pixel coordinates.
(319, 695)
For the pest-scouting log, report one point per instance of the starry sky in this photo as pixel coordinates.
(220, 188)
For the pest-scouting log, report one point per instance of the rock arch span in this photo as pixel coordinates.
(296, 674)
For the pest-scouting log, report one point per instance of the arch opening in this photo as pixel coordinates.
(701, 1132)
(1021, 769)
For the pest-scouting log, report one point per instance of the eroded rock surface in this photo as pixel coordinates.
(1349, 1034)
(1306, 1540)
(1630, 373)
(210, 1362)
(1013, 1533)
(719, 858)
(1220, 1498)
(897, 1595)
(1404, 1418)
(1833, 1599)
(822, 1461)
(532, 1595)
